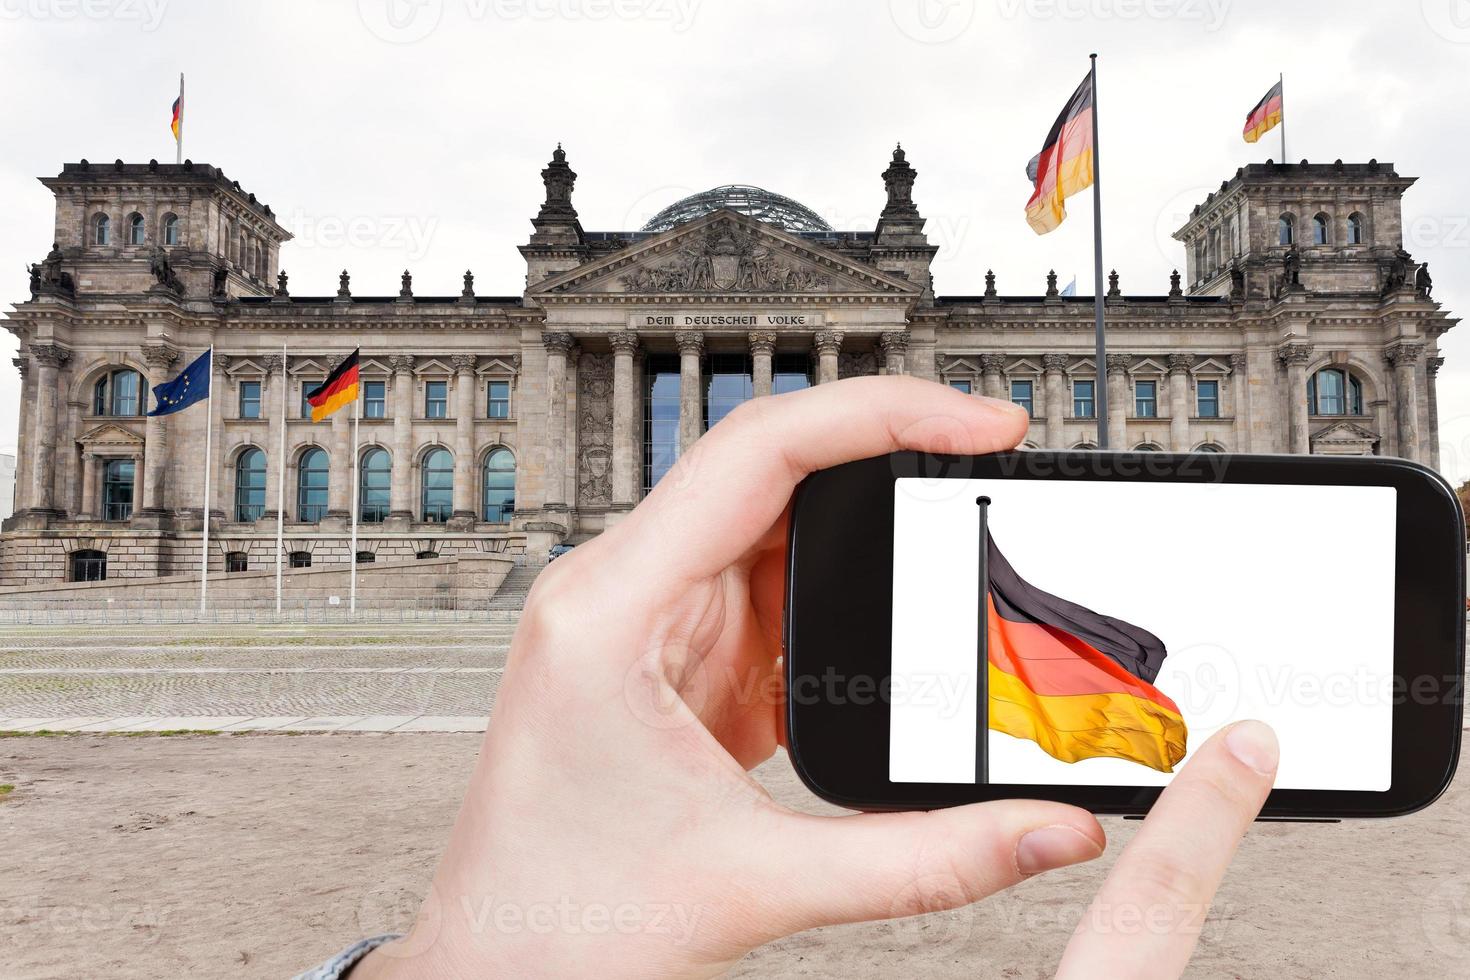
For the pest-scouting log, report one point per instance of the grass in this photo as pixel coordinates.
(167, 733)
(5, 790)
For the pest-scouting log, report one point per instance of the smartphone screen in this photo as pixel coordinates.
(1125, 623)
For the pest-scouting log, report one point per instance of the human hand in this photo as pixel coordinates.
(611, 827)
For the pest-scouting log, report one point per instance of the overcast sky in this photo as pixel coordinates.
(393, 133)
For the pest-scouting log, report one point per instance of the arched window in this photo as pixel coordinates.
(438, 486)
(1210, 447)
(118, 393)
(1355, 229)
(374, 489)
(170, 229)
(500, 486)
(426, 555)
(300, 559)
(135, 229)
(101, 229)
(1146, 447)
(1084, 445)
(1333, 391)
(1285, 230)
(237, 561)
(1319, 230)
(311, 486)
(117, 489)
(88, 565)
(250, 485)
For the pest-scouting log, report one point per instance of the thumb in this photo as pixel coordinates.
(830, 870)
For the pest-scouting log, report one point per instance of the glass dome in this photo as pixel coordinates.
(758, 203)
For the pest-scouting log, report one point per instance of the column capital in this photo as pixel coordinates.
(222, 362)
(557, 341)
(464, 363)
(623, 341)
(1238, 362)
(894, 341)
(21, 364)
(1180, 363)
(1119, 363)
(827, 341)
(401, 363)
(992, 363)
(1433, 365)
(1292, 354)
(50, 355)
(1053, 363)
(272, 364)
(762, 342)
(1403, 352)
(689, 341)
(160, 356)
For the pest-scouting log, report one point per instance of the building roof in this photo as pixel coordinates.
(756, 202)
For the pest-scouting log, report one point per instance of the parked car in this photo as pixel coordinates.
(557, 550)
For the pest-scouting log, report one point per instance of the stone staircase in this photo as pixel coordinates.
(511, 596)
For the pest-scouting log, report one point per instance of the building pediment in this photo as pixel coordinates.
(1344, 439)
(723, 253)
(110, 437)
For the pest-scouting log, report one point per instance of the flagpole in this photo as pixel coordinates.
(982, 650)
(281, 484)
(1100, 385)
(1281, 82)
(356, 482)
(179, 143)
(208, 465)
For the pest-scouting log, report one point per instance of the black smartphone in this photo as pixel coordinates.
(1132, 605)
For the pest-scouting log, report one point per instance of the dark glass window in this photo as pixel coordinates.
(171, 229)
(88, 566)
(1285, 230)
(1146, 399)
(1355, 229)
(1022, 393)
(118, 393)
(727, 383)
(312, 476)
(426, 555)
(376, 486)
(300, 559)
(135, 229)
(790, 372)
(960, 386)
(1319, 230)
(1082, 400)
(1208, 399)
(117, 490)
(436, 399)
(101, 229)
(250, 485)
(1332, 391)
(307, 386)
(498, 398)
(237, 561)
(374, 399)
(499, 481)
(660, 418)
(250, 399)
(438, 485)
(366, 557)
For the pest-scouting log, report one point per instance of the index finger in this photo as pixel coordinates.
(738, 477)
(1147, 918)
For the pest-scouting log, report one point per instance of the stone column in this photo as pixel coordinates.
(894, 344)
(1118, 400)
(339, 466)
(1179, 413)
(159, 358)
(25, 444)
(1431, 370)
(1404, 356)
(1054, 368)
(1240, 406)
(49, 359)
(1295, 357)
(464, 436)
(220, 394)
(273, 389)
(89, 487)
(829, 345)
(691, 413)
(625, 441)
(762, 349)
(992, 377)
(400, 493)
(558, 347)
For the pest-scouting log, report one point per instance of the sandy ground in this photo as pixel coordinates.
(257, 856)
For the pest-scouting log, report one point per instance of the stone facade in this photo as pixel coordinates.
(1304, 327)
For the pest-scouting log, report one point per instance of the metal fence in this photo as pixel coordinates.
(119, 611)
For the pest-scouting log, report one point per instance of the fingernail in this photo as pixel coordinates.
(1254, 743)
(1053, 847)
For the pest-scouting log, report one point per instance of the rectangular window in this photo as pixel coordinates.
(1082, 403)
(250, 399)
(1146, 399)
(1021, 394)
(963, 386)
(498, 396)
(307, 386)
(661, 417)
(436, 399)
(374, 399)
(1208, 401)
(727, 383)
(790, 372)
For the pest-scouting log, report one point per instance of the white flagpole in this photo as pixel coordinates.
(281, 483)
(208, 466)
(179, 143)
(356, 482)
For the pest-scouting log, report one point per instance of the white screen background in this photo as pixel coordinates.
(1273, 602)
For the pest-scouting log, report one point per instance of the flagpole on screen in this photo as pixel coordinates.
(179, 143)
(982, 650)
(281, 485)
(1281, 82)
(1101, 353)
(208, 465)
(356, 483)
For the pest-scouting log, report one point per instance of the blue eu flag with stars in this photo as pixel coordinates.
(189, 387)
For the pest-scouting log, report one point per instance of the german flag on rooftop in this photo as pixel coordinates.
(339, 389)
(1265, 116)
(1064, 165)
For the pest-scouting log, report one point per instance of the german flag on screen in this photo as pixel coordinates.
(1064, 165)
(1264, 117)
(1077, 683)
(339, 389)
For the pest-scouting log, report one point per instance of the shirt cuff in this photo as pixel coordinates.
(337, 967)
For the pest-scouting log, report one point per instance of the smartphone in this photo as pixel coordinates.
(1070, 625)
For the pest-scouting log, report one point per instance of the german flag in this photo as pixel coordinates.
(1064, 165)
(1077, 683)
(339, 389)
(1264, 117)
(178, 116)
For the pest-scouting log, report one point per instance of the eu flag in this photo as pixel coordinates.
(189, 387)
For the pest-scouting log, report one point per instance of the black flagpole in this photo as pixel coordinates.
(1100, 355)
(982, 650)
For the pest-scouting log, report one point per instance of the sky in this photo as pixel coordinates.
(392, 134)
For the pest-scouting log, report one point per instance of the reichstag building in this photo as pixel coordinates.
(514, 423)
